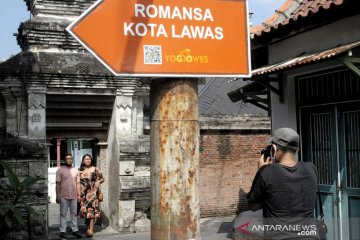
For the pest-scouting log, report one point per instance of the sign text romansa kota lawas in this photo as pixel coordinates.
(167, 38)
(168, 12)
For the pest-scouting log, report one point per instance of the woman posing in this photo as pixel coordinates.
(90, 181)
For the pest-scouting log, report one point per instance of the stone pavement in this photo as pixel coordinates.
(219, 228)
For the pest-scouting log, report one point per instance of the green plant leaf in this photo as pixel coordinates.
(13, 179)
(3, 210)
(12, 207)
(8, 222)
(29, 181)
(5, 205)
(31, 210)
(30, 194)
(18, 217)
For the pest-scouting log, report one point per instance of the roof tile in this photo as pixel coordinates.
(302, 60)
(292, 10)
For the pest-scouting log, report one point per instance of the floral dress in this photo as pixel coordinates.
(89, 203)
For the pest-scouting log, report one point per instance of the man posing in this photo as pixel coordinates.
(285, 189)
(68, 194)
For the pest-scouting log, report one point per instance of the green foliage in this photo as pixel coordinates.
(10, 213)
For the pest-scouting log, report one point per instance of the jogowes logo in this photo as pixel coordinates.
(185, 56)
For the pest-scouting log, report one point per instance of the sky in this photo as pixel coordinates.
(13, 12)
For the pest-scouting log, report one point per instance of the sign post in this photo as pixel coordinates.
(175, 43)
(174, 139)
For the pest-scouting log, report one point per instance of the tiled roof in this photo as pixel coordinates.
(302, 60)
(291, 11)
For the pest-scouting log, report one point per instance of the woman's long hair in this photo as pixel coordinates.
(82, 166)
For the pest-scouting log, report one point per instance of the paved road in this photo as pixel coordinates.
(211, 229)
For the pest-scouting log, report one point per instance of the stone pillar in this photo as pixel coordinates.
(36, 122)
(138, 115)
(102, 164)
(37, 113)
(10, 112)
(124, 106)
(126, 215)
(124, 126)
(22, 114)
(21, 111)
(16, 112)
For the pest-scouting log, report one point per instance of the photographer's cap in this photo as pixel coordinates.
(285, 137)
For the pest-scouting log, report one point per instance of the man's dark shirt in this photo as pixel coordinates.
(287, 194)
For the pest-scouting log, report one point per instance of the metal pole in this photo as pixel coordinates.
(174, 134)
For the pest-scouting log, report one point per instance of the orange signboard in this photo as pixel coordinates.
(167, 38)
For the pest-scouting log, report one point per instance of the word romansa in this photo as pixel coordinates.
(175, 31)
(183, 13)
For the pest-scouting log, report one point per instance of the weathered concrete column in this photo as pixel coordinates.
(124, 126)
(175, 211)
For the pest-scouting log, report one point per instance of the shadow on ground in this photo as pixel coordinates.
(54, 219)
(219, 228)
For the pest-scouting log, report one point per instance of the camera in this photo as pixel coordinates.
(266, 151)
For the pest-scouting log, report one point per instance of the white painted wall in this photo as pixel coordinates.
(52, 184)
(284, 114)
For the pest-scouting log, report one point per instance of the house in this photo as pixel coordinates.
(307, 56)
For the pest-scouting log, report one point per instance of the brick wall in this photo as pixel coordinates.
(227, 168)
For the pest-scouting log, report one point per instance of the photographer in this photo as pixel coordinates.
(284, 187)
